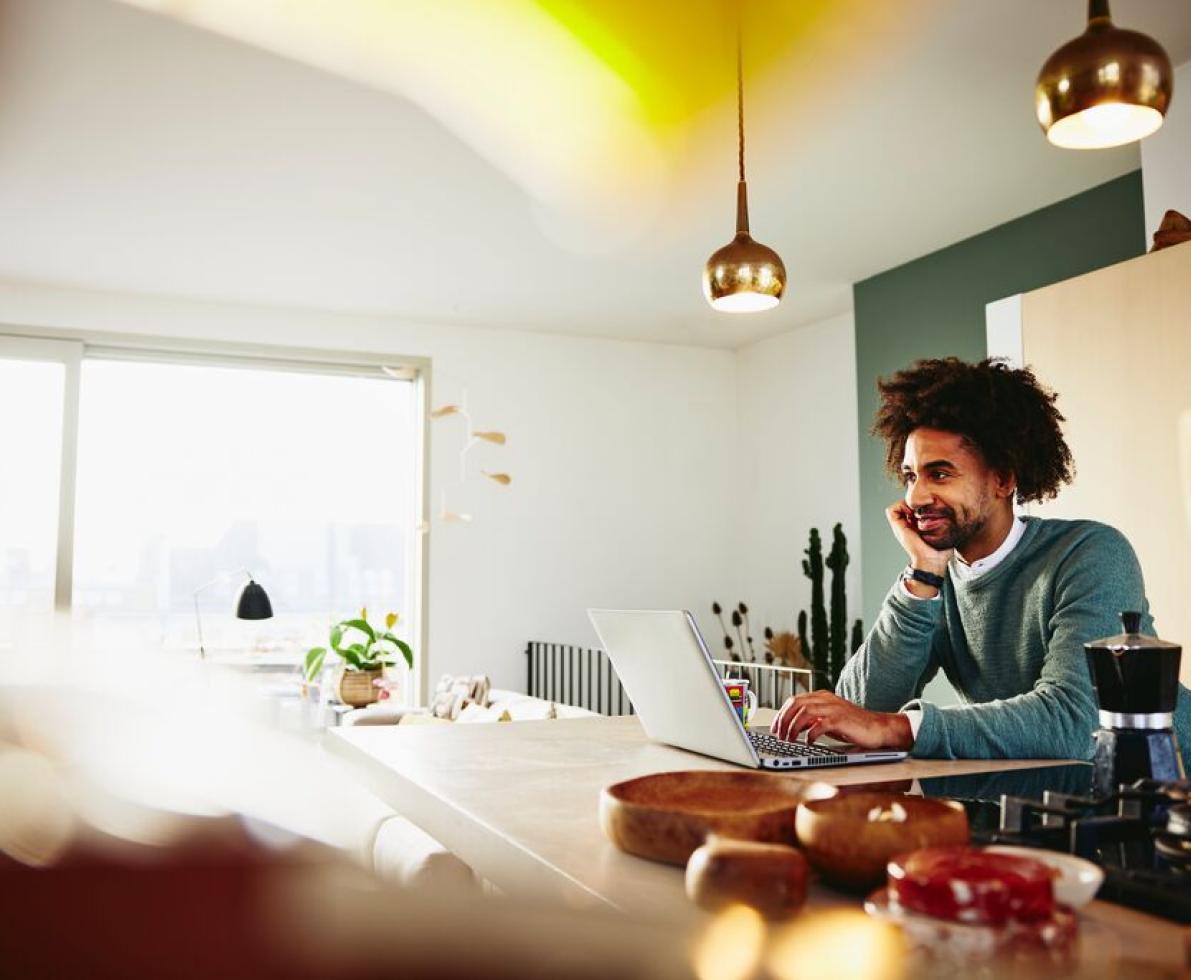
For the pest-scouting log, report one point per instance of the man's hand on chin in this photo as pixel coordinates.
(823, 713)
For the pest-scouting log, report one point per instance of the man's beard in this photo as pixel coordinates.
(955, 535)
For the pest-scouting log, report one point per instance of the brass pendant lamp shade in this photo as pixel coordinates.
(744, 276)
(1107, 87)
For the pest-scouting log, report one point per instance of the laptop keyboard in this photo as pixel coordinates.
(772, 745)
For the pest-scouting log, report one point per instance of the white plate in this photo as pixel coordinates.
(1078, 880)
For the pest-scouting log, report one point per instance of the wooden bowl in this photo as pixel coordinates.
(664, 817)
(847, 845)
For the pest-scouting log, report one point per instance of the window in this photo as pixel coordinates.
(31, 393)
(191, 473)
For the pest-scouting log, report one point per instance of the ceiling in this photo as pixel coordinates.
(548, 165)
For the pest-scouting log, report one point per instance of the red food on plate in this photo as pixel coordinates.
(971, 886)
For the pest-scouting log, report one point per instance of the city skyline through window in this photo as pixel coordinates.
(190, 474)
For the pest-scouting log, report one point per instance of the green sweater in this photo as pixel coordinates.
(1011, 643)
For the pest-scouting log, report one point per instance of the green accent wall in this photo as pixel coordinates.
(934, 307)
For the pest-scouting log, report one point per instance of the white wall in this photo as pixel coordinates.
(644, 474)
(619, 451)
(796, 466)
(1166, 158)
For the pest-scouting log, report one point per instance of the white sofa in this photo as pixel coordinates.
(517, 707)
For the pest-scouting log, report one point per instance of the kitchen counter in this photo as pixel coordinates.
(519, 803)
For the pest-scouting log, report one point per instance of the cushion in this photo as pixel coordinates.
(473, 712)
(454, 693)
(406, 855)
(573, 711)
(380, 713)
(523, 707)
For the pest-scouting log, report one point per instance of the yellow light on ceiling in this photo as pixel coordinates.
(1107, 87)
(744, 276)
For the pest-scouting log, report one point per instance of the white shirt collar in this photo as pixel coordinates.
(963, 572)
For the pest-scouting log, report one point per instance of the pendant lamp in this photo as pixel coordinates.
(744, 276)
(1107, 87)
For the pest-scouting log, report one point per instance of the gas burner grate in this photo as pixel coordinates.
(1126, 833)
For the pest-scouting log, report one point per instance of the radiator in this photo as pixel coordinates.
(576, 676)
(585, 678)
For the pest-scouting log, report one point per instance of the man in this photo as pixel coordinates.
(1001, 604)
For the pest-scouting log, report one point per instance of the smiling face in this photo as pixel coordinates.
(958, 501)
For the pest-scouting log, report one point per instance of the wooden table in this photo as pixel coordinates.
(519, 803)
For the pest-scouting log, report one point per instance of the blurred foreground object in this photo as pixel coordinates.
(966, 906)
(235, 909)
(850, 838)
(843, 944)
(181, 837)
(770, 878)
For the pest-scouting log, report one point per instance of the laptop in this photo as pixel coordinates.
(666, 670)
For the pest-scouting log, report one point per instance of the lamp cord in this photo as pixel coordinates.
(739, 97)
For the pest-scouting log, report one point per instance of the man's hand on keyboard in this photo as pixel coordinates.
(823, 713)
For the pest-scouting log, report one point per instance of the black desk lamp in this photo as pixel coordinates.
(252, 604)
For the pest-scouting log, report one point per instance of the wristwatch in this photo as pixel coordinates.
(926, 578)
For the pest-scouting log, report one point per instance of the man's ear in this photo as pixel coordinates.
(1006, 485)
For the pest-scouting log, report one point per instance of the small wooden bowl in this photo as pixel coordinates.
(849, 849)
(664, 817)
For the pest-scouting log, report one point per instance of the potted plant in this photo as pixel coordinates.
(365, 652)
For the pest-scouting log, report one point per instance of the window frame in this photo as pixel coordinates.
(71, 348)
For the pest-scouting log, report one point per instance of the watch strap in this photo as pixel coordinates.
(925, 577)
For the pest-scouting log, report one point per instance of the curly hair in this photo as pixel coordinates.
(1003, 412)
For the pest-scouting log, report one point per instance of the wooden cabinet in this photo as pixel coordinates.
(1116, 345)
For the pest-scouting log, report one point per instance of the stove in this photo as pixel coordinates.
(1140, 835)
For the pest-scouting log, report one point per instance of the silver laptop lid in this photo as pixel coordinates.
(666, 670)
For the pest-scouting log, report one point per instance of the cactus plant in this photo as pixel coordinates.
(802, 638)
(812, 568)
(837, 562)
(829, 645)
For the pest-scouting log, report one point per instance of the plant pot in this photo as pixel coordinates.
(355, 687)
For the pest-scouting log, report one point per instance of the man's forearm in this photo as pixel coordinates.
(1048, 724)
(896, 659)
